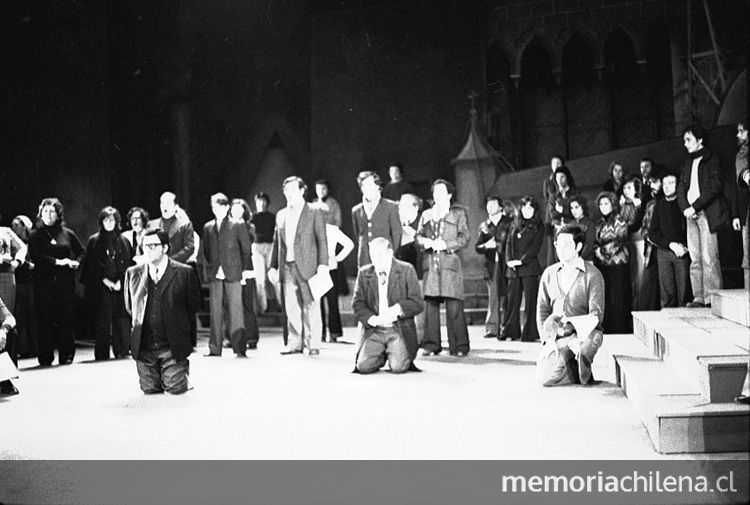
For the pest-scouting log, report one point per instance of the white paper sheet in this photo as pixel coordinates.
(320, 284)
(7, 369)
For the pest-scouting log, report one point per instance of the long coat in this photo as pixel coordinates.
(180, 293)
(181, 238)
(443, 275)
(384, 222)
(403, 288)
(96, 266)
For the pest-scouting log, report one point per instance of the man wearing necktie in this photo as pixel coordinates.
(387, 296)
(162, 297)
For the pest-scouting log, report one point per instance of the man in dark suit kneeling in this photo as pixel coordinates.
(161, 297)
(387, 297)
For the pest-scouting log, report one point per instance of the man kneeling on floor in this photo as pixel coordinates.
(570, 310)
(387, 296)
(162, 297)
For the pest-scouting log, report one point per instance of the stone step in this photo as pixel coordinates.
(672, 409)
(709, 351)
(732, 304)
(714, 364)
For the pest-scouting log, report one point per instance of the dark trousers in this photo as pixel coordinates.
(511, 326)
(331, 298)
(458, 334)
(54, 312)
(648, 297)
(110, 326)
(674, 278)
(248, 307)
(158, 372)
(618, 315)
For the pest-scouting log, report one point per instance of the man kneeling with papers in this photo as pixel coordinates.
(570, 309)
(387, 296)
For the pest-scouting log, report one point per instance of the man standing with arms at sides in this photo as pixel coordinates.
(569, 312)
(700, 195)
(227, 254)
(491, 244)
(387, 296)
(647, 170)
(374, 217)
(300, 251)
(398, 186)
(161, 297)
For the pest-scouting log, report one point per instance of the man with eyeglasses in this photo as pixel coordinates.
(162, 298)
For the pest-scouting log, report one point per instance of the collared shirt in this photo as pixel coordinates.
(292, 219)
(694, 191)
(566, 276)
(157, 271)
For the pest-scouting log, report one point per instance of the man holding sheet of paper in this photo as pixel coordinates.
(300, 262)
(570, 310)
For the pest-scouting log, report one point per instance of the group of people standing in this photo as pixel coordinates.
(655, 241)
(654, 245)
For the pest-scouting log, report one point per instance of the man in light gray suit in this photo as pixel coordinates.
(299, 252)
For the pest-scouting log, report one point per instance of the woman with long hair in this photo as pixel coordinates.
(612, 260)
(56, 253)
(579, 211)
(523, 270)
(108, 256)
(557, 209)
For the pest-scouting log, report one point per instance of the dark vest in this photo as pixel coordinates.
(153, 334)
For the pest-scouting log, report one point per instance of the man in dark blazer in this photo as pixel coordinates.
(162, 297)
(374, 217)
(227, 257)
(178, 226)
(700, 195)
(300, 251)
(387, 296)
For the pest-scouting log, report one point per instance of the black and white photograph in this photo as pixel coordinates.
(374, 251)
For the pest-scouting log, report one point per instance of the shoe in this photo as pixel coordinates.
(240, 355)
(490, 335)
(314, 352)
(426, 352)
(287, 352)
(695, 305)
(462, 354)
(742, 399)
(66, 361)
(252, 345)
(211, 355)
(8, 389)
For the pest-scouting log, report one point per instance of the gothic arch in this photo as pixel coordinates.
(589, 36)
(632, 32)
(535, 34)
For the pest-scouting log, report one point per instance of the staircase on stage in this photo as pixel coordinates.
(682, 369)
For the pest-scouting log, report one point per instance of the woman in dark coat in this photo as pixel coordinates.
(557, 209)
(240, 211)
(612, 260)
(523, 270)
(443, 232)
(56, 253)
(108, 256)
(616, 179)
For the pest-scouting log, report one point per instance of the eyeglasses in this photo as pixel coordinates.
(151, 246)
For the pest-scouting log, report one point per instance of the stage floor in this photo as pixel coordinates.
(485, 406)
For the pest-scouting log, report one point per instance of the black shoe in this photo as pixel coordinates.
(695, 305)
(287, 352)
(8, 389)
(66, 361)
(240, 354)
(490, 335)
(426, 352)
(212, 355)
(252, 345)
(742, 399)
